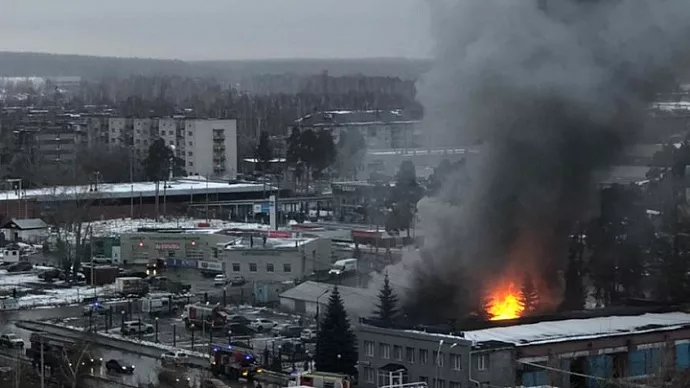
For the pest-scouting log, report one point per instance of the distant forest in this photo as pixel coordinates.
(18, 64)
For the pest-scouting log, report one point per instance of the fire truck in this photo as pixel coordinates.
(324, 380)
(234, 362)
(204, 316)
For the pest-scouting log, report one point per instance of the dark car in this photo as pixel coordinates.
(238, 329)
(239, 319)
(21, 266)
(119, 367)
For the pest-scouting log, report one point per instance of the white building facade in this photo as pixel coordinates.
(208, 147)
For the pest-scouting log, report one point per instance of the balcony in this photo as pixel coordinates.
(218, 148)
(218, 135)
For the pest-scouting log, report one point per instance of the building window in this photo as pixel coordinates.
(190, 163)
(191, 144)
(454, 384)
(190, 153)
(269, 267)
(369, 375)
(369, 348)
(397, 352)
(384, 351)
(424, 379)
(252, 267)
(438, 359)
(482, 361)
(423, 356)
(189, 133)
(440, 383)
(235, 267)
(455, 361)
(409, 355)
(287, 267)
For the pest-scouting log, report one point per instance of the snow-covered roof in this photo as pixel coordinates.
(139, 189)
(357, 301)
(335, 118)
(271, 243)
(578, 329)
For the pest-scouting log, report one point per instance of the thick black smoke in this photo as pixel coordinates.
(555, 90)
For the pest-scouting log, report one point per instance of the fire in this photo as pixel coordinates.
(504, 303)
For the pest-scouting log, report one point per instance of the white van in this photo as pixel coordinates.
(342, 267)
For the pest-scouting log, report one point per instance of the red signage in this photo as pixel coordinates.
(279, 234)
(167, 246)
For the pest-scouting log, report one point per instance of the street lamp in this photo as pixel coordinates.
(326, 291)
(156, 320)
(438, 360)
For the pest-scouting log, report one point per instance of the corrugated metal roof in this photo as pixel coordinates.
(357, 301)
(27, 224)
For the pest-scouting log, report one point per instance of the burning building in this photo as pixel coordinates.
(555, 90)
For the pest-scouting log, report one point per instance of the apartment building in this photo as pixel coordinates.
(210, 147)
(381, 129)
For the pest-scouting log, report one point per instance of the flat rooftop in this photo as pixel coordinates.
(242, 243)
(576, 329)
(181, 186)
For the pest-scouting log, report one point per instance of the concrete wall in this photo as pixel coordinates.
(140, 247)
(278, 264)
(417, 355)
(494, 367)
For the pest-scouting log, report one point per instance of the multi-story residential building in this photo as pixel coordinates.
(380, 129)
(211, 147)
(581, 350)
(207, 147)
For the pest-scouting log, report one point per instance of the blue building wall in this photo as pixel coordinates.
(599, 366)
(683, 356)
(644, 361)
(535, 378)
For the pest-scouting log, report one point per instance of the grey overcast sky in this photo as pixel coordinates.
(218, 29)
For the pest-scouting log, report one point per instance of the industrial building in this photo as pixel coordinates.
(276, 259)
(577, 350)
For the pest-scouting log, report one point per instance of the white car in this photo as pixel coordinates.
(308, 335)
(176, 357)
(136, 327)
(220, 280)
(262, 324)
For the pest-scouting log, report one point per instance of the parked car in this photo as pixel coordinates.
(21, 266)
(262, 324)
(287, 330)
(136, 327)
(11, 340)
(95, 308)
(220, 280)
(237, 280)
(175, 357)
(240, 319)
(308, 335)
(118, 367)
(238, 329)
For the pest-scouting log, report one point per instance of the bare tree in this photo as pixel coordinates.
(69, 213)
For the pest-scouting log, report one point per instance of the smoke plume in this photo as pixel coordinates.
(554, 90)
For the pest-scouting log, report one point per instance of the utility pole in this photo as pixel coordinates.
(43, 367)
(131, 183)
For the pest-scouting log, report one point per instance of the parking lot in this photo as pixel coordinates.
(171, 330)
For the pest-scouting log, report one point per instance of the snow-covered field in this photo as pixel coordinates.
(48, 296)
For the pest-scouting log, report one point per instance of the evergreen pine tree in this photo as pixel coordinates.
(387, 308)
(336, 345)
(574, 294)
(529, 299)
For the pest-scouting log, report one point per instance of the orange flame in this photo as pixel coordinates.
(504, 303)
